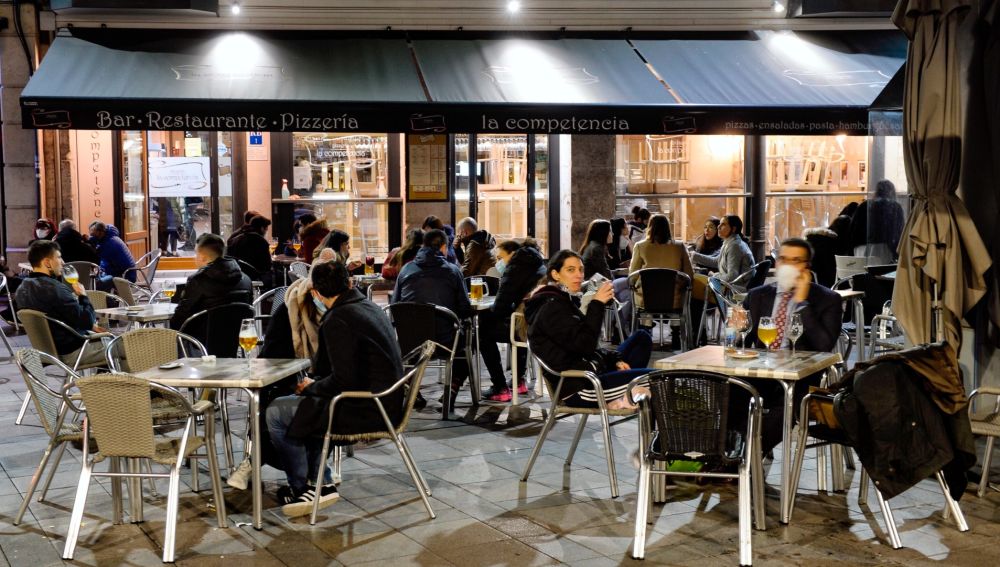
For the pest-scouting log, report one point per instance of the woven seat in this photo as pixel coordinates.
(417, 360)
(558, 410)
(987, 424)
(119, 417)
(685, 418)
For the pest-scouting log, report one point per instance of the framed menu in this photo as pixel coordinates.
(427, 167)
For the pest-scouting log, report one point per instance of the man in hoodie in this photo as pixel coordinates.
(218, 281)
(74, 246)
(431, 278)
(477, 247)
(116, 258)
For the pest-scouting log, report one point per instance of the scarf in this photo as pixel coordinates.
(302, 318)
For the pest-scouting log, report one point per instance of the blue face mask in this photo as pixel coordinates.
(320, 307)
(501, 265)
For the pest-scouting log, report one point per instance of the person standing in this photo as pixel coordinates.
(877, 225)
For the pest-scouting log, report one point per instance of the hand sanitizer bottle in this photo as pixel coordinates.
(285, 194)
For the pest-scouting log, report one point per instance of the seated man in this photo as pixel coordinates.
(821, 311)
(358, 352)
(73, 245)
(252, 247)
(218, 281)
(431, 278)
(43, 290)
(115, 256)
(477, 248)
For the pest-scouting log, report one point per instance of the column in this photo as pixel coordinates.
(592, 183)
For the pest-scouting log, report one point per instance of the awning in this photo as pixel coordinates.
(746, 83)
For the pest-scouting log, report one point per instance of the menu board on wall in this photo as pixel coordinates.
(427, 170)
(180, 177)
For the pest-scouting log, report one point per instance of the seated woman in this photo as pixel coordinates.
(733, 260)
(594, 252)
(340, 242)
(709, 243)
(620, 249)
(565, 338)
(399, 257)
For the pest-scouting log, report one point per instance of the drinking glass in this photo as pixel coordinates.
(273, 246)
(369, 265)
(169, 288)
(296, 244)
(795, 329)
(248, 338)
(476, 290)
(741, 321)
(70, 275)
(767, 332)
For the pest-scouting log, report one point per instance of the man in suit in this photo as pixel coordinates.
(821, 311)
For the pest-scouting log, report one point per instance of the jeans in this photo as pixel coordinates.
(489, 336)
(637, 349)
(299, 456)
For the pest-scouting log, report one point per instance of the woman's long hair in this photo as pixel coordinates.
(659, 229)
(736, 225)
(409, 249)
(598, 232)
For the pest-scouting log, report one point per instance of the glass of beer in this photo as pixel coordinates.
(70, 275)
(169, 289)
(273, 246)
(767, 331)
(476, 290)
(248, 338)
(369, 265)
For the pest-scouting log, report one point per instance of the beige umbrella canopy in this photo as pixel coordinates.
(941, 250)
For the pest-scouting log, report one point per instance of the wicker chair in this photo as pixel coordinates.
(658, 287)
(684, 418)
(145, 269)
(52, 412)
(103, 300)
(38, 327)
(88, 272)
(418, 359)
(417, 323)
(132, 293)
(986, 424)
(119, 416)
(559, 411)
(718, 293)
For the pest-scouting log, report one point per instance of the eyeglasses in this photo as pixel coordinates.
(793, 260)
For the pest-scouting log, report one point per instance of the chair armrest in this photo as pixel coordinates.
(203, 406)
(97, 336)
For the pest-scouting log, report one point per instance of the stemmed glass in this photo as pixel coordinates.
(795, 329)
(70, 275)
(248, 338)
(741, 322)
(767, 332)
(169, 289)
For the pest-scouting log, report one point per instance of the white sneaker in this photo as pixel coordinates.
(241, 476)
(303, 503)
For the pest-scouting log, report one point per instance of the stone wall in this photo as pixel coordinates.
(592, 183)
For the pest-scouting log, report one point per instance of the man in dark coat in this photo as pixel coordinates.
(253, 248)
(359, 352)
(477, 248)
(431, 278)
(218, 281)
(73, 245)
(247, 217)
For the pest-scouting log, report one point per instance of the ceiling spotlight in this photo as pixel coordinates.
(778, 7)
(235, 8)
(513, 6)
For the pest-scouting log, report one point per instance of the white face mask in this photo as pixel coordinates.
(41, 233)
(786, 276)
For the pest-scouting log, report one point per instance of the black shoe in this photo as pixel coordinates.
(303, 503)
(419, 403)
(454, 396)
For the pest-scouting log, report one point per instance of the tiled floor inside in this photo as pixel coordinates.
(485, 515)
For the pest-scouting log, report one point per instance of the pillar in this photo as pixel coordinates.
(592, 183)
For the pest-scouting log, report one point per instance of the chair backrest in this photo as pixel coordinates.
(659, 288)
(265, 306)
(418, 359)
(141, 349)
(147, 264)
(4, 290)
(299, 269)
(218, 328)
(119, 415)
(123, 288)
(691, 411)
(760, 273)
(492, 283)
(725, 294)
(104, 300)
(87, 271)
(850, 265)
(48, 402)
(416, 323)
(36, 325)
(251, 272)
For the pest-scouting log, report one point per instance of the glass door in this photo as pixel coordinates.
(502, 184)
(181, 188)
(134, 227)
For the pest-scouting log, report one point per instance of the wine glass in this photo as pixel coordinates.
(296, 244)
(273, 245)
(169, 288)
(767, 331)
(795, 329)
(741, 321)
(248, 338)
(70, 275)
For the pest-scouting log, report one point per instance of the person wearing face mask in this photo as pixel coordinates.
(358, 352)
(43, 290)
(521, 267)
(821, 311)
(566, 338)
(45, 229)
(218, 281)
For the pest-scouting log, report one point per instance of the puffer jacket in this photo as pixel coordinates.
(218, 283)
(522, 274)
(114, 253)
(479, 254)
(44, 293)
(566, 338)
(430, 278)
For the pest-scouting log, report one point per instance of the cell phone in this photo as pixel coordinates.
(170, 365)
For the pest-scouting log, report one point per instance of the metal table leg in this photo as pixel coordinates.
(786, 450)
(255, 457)
(859, 327)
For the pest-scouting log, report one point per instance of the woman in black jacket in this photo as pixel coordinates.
(594, 252)
(567, 339)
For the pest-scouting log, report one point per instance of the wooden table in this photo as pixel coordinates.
(147, 314)
(779, 366)
(226, 373)
(856, 297)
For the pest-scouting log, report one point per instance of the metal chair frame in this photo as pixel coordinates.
(147, 270)
(89, 273)
(985, 425)
(725, 296)
(5, 290)
(258, 306)
(515, 318)
(683, 316)
(299, 269)
(558, 411)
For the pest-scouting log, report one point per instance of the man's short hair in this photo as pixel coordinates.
(799, 243)
(39, 250)
(98, 225)
(211, 245)
(435, 239)
(249, 215)
(67, 223)
(468, 222)
(260, 223)
(330, 279)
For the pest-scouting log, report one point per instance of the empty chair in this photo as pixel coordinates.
(298, 270)
(417, 361)
(986, 424)
(265, 306)
(848, 266)
(119, 417)
(218, 328)
(88, 272)
(685, 418)
(723, 296)
(104, 300)
(659, 289)
(131, 293)
(5, 292)
(145, 269)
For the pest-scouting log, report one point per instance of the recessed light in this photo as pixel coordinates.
(513, 6)
(235, 8)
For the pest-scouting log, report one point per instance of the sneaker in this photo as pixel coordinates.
(241, 476)
(494, 395)
(303, 503)
(522, 387)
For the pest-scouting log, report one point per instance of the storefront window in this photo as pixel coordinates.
(462, 186)
(225, 177)
(502, 186)
(541, 192)
(180, 189)
(132, 182)
(688, 178)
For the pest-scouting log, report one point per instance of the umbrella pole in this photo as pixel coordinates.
(937, 326)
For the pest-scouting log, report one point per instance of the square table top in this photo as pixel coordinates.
(227, 372)
(779, 365)
(484, 304)
(148, 314)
